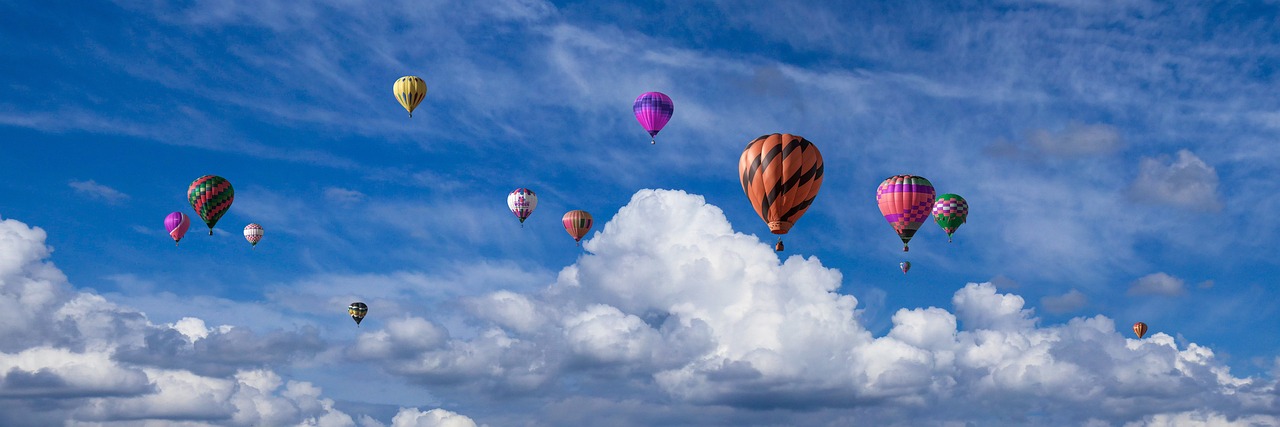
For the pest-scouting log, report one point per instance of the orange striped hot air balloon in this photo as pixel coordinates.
(577, 223)
(781, 174)
(1140, 329)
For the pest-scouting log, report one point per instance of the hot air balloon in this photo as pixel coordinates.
(211, 196)
(253, 233)
(949, 211)
(1140, 329)
(781, 174)
(577, 223)
(905, 201)
(653, 110)
(522, 202)
(409, 91)
(177, 223)
(905, 265)
(357, 310)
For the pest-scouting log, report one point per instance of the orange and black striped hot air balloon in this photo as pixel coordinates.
(781, 174)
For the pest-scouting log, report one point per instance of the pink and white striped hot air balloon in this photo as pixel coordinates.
(253, 233)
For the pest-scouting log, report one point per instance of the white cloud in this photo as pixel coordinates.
(96, 191)
(1077, 140)
(75, 358)
(1187, 182)
(1071, 301)
(692, 313)
(411, 417)
(343, 196)
(1158, 284)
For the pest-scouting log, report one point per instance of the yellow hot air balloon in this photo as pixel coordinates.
(409, 91)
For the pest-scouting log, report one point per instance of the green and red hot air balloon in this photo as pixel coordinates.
(211, 197)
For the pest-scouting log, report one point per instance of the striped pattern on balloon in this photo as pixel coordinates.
(409, 90)
(653, 110)
(905, 201)
(577, 223)
(781, 175)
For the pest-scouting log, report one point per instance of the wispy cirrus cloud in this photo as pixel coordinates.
(96, 191)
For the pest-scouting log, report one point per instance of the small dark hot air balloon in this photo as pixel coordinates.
(905, 265)
(357, 310)
(1140, 329)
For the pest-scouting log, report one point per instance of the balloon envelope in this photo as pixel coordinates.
(177, 224)
(253, 233)
(949, 211)
(653, 111)
(211, 197)
(577, 223)
(1140, 329)
(905, 201)
(409, 90)
(781, 175)
(357, 310)
(905, 265)
(522, 202)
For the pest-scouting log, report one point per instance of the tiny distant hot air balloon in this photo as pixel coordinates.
(577, 223)
(409, 91)
(905, 201)
(949, 211)
(781, 175)
(653, 110)
(905, 265)
(253, 233)
(177, 223)
(210, 196)
(522, 202)
(357, 310)
(1140, 329)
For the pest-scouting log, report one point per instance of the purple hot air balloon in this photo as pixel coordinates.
(653, 110)
(177, 223)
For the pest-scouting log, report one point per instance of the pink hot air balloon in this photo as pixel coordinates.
(905, 201)
(253, 233)
(177, 223)
(653, 110)
(577, 223)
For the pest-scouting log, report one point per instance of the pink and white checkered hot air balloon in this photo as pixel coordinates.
(177, 223)
(253, 233)
(522, 202)
(653, 110)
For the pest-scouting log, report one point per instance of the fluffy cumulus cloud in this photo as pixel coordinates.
(670, 310)
(1186, 181)
(74, 358)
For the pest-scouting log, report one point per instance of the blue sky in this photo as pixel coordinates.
(1118, 157)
